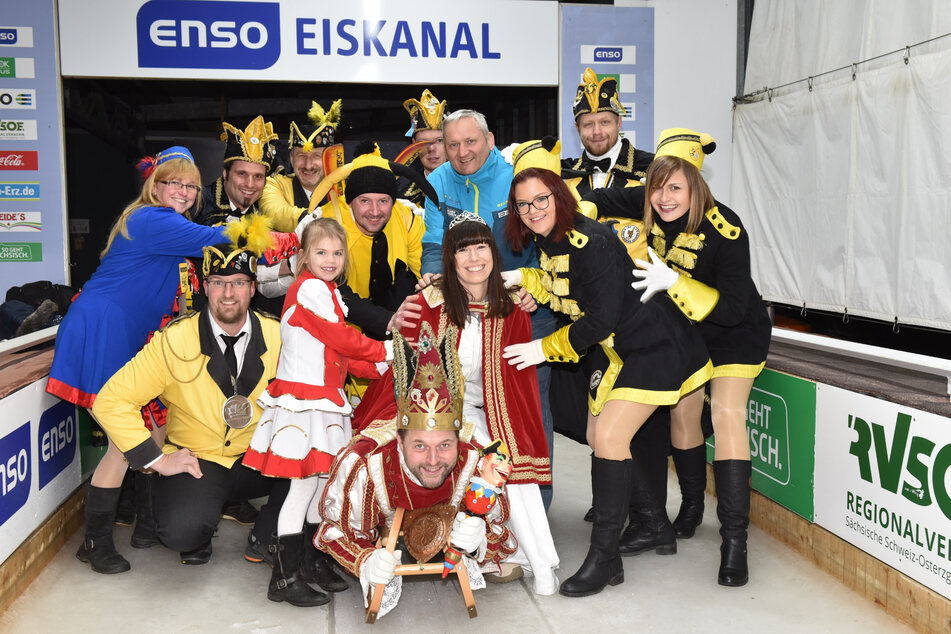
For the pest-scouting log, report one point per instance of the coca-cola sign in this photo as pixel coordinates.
(18, 160)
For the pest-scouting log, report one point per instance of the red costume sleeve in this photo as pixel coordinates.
(345, 339)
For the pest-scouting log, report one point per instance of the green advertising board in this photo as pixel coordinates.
(781, 423)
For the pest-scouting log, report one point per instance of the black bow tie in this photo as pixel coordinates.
(588, 164)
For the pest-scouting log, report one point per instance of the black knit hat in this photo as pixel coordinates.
(371, 174)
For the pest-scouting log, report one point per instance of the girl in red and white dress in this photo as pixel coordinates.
(306, 418)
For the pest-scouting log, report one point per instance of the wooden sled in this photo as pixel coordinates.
(375, 594)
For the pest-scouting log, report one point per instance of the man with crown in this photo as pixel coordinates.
(609, 159)
(426, 152)
(313, 154)
(249, 157)
(416, 461)
(208, 368)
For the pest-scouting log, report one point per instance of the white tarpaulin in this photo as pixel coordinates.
(845, 188)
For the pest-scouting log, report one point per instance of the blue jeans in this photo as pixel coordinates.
(543, 324)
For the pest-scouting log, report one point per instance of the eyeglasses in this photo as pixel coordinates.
(540, 203)
(193, 189)
(237, 284)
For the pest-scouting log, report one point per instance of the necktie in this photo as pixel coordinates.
(588, 164)
(230, 357)
(381, 277)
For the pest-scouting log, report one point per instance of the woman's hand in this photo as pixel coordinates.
(426, 280)
(655, 278)
(406, 315)
(524, 355)
(525, 301)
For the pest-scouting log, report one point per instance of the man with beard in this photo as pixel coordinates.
(415, 461)
(208, 368)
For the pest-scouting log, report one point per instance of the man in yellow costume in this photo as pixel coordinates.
(312, 147)
(208, 368)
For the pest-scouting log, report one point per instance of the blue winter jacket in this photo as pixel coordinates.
(485, 193)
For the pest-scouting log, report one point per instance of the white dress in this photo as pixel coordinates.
(528, 521)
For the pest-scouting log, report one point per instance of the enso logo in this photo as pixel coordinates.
(204, 34)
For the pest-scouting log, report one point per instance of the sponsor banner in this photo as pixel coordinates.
(614, 42)
(21, 252)
(39, 465)
(20, 221)
(30, 83)
(21, 36)
(18, 129)
(411, 42)
(18, 160)
(781, 422)
(13, 67)
(17, 98)
(883, 482)
(19, 191)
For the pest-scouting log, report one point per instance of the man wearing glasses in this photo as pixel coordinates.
(208, 368)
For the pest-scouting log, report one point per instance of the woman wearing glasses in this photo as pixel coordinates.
(134, 286)
(637, 355)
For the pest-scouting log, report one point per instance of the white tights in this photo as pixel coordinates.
(302, 501)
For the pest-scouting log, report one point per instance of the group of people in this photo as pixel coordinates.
(427, 305)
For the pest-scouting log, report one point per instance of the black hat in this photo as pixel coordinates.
(321, 134)
(253, 144)
(596, 95)
(371, 173)
(250, 236)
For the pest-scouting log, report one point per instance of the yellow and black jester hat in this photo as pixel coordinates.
(253, 144)
(597, 95)
(425, 113)
(249, 237)
(322, 130)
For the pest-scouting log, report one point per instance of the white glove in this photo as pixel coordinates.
(388, 348)
(468, 532)
(655, 277)
(380, 567)
(512, 278)
(524, 355)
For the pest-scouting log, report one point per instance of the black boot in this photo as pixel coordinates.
(611, 483)
(589, 514)
(649, 528)
(98, 548)
(317, 566)
(691, 465)
(144, 535)
(732, 479)
(286, 583)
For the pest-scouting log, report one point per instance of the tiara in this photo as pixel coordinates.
(464, 217)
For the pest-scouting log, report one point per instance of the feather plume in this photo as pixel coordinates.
(330, 117)
(251, 232)
(145, 167)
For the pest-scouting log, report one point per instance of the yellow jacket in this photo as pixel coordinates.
(404, 238)
(185, 368)
(277, 202)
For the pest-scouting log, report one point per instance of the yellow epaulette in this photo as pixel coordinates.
(577, 239)
(187, 315)
(266, 315)
(727, 230)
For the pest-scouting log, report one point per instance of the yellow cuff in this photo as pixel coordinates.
(694, 299)
(555, 346)
(588, 208)
(532, 281)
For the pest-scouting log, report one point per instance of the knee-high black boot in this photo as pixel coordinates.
(733, 508)
(144, 535)
(286, 583)
(653, 531)
(611, 482)
(317, 566)
(691, 465)
(97, 548)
